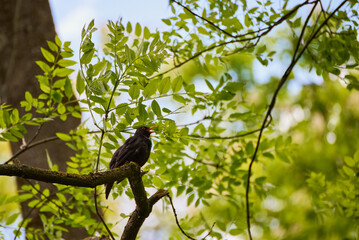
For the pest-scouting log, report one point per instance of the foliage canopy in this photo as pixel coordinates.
(291, 173)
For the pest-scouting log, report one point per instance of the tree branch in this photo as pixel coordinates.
(296, 56)
(261, 33)
(90, 180)
(204, 19)
(232, 137)
(176, 218)
(131, 171)
(179, 226)
(143, 205)
(31, 145)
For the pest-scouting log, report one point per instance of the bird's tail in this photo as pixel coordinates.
(108, 189)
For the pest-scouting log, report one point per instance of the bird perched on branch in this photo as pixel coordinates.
(135, 149)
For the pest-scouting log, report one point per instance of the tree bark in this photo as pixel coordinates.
(24, 28)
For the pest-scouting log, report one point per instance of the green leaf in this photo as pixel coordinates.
(157, 182)
(129, 27)
(143, 115)
(66, 62)
(113, 118)
(49, 162)
(58, 41)
(109, 146)
(209, 85)
(63, 137)
(66, 54)
(48, 56)
(80, 83)
(247, 20)
(154, 41)
(156, 108)
(61, 109)
(16, 133)
(348, 171)
(233, 87)
(56, 96)
(190, 199)
(91, 25)
(46, 68)
(6, 118)
(138, 30)
(297, 22)
(134, 91)
(87, 57)
(76, 114)
(63, 72)
(14, 116)
(150, 89)
(146, 33)
(249, 148)
(128, 54)
(59, 83)
(9, 137)
(239, 115)
(12, 218)
(120, 127)
(235, 231)
(179, 98)
(177, 84)
(166, 21)
(99, 100)
(165, 85)
(52, 46)
(68, 88)
(221, 226)
(349, 161)
(180, 190)
(261, 49)
(98, 110)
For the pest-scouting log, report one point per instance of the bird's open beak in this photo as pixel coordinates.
(150, 129)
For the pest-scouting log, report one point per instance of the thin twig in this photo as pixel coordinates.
(296, 57)
(31, 146)
(26, 217)
(325, 16)
(101, 218)
(204, 19)
(209, 232)
(95, 192)
(235, 136)
(33, 208)
(271, 106)
(193, 123)
(47, 197)
(267, 30)
(179, 226)
(176, 218)
(36, 133)
(200, 53)
(216, 165)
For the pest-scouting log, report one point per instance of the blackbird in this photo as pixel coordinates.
(135, 149)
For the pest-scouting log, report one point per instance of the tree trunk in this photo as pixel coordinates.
(24, 28)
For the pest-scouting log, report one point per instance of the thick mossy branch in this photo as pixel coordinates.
(90, 180)
(143, 206)
(132, 171)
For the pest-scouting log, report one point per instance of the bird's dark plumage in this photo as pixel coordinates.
(135, 149)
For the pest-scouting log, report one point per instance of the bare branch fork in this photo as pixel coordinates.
(296, 56)
(143, 205)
